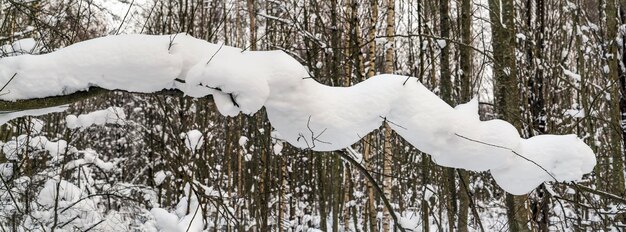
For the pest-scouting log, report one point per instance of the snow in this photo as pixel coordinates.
(12, 149)
(6, 49)
(111, 62)
(410, 222)
(25, 46)
(166, 221)
(6, 170)
(247, 86)
(36, 125)
(575, 113)
(305, 113)
(556, 154)
(68, 192)
(277, 149)
(111, 115)
(182, 219)
(193, 140)
(358, 157)
(442, 43)
(90, 157)
(243, 140)
(159, 177)
(571, 74)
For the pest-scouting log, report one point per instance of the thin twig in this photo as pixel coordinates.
(124, 19)
(218, 50)
(514, 152)
(395, 124)
(376, 186)
(5, 85)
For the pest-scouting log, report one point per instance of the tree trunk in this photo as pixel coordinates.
(252, 18)
(388, 153)
(367, 151)
(617, 173)
(506, 91)
(466, 63)
(445, 82)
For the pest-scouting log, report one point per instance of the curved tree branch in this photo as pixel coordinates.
(369, 177)
(40, 103)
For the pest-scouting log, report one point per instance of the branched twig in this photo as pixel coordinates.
(301, 136)
(313, 137)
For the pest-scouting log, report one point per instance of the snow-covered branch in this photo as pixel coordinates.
(246, 81)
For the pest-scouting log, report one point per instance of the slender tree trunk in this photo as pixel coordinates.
(252, 18)
(281, 193)
(616, 131)
(506, 91)
(537, 102)
(322, 193)
(240, 153)
(347, 197)
(465, 95)
(353, 51)
(388, 153)
(367, 151)
(445, 82)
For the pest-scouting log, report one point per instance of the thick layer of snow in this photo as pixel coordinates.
(306, 114)
(130, 62)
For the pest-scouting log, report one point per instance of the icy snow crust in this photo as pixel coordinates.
(306, 114)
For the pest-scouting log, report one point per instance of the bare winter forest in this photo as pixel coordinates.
(136, 160)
